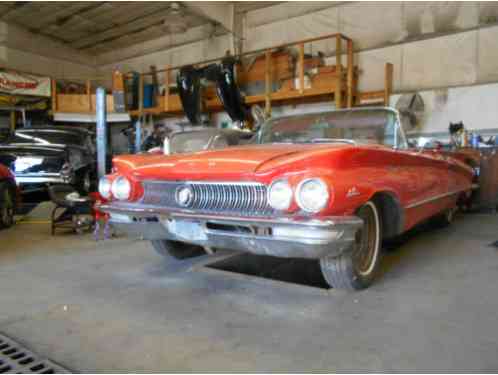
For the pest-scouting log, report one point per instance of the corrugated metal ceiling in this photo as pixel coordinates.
(100, 26)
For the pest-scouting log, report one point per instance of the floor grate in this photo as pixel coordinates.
(15, 359)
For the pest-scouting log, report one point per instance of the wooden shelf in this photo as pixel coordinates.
(335, 83)
(80, 103)
(215, 104)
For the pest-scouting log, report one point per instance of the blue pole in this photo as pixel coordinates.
(138, 136)
(101, 131)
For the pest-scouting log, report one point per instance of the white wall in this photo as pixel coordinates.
(22, 50)
(436, 47)
(476, 106)
(448, 50)
(181, 55)
(50, 66)
(430, 44)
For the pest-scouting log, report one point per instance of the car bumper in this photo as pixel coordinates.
(301, 237)
(31, 183)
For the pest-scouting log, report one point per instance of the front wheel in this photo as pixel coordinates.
(7, 206)
(177, 250)
(356, 269)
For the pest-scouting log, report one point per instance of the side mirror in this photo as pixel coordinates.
(258, 116)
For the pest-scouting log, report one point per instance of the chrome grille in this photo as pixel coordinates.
(248, 199)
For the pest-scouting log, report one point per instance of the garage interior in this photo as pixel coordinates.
(81, 295)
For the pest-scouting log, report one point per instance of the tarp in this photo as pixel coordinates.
(24, 84)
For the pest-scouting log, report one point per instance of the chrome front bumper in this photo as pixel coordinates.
(42, 180)
(301, 237)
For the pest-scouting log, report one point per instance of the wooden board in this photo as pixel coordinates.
(77, 103)
(282, 67)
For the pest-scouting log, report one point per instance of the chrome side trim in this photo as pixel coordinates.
(431, 199)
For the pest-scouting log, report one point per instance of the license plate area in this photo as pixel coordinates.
(185, 229)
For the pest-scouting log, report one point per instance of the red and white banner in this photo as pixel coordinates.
(24, 84)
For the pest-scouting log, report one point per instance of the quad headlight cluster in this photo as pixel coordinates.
(105, 187)
(280, 195)
(311, 195)
(120, 188)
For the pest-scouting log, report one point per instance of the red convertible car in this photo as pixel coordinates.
(8, 197)
(326, 186)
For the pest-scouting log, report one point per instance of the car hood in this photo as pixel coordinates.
(232, 162)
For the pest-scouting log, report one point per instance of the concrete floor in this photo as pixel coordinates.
(116, 306)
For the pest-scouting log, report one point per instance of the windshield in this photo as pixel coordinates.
(377, 126)
(190, 141)
(46, 137)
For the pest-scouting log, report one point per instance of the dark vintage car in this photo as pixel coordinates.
(8, 197)
(50, 155)
(325, 186)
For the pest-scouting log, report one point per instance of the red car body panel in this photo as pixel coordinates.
(5, 173)
(423, 183)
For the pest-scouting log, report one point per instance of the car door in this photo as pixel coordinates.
(430, 170)
(424, 177)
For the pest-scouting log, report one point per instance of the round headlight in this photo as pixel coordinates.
(280, 195)
(105, 187)
(121, 188)
(312, 195)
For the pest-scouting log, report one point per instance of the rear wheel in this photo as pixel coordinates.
(7, 206)
(178, 250)
(356, 269)
(445, 219)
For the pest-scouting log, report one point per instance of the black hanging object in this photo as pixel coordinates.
(210, 72)
(229, 92)
(455, 127)
(189, 88)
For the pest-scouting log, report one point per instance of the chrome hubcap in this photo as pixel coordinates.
(365, 252)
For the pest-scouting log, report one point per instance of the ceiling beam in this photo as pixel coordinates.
(221, 13)
(16, 6)
(57, 23)
(116, 31)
